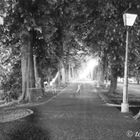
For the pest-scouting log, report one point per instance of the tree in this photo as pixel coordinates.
(28, 23)
(114, 35)
(27, 65)
(19, 31)
(104, 33)
(56, 30)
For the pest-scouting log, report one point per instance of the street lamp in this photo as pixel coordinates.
(129, 18)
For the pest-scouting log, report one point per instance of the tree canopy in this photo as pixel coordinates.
(62, 29)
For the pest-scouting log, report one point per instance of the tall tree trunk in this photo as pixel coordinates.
(138, 81)
(113, 84)
(63, 74)
(100, 74)
(69, 71)
(137, 77)
(37, 78)
(35, 72)
(27, 66)
(67, 74)
(58, 80)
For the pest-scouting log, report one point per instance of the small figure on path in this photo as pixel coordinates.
(78, 90)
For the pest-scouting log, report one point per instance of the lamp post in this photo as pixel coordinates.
(129, 18)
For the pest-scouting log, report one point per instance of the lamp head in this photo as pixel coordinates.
(129, 17)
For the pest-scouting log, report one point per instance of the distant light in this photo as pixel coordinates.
(1, 21)
(91, 64)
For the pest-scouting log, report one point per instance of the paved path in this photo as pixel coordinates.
(66, 117)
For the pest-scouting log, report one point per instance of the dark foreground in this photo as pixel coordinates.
(65, 117)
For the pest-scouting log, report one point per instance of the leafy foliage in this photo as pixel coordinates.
(63, 28)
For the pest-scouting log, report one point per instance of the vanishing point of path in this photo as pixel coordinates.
(65, 117)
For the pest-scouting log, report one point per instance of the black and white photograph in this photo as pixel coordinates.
(69, 69)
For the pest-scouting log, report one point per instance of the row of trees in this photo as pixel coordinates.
(53, 31)
(42, 28)
(105, 35)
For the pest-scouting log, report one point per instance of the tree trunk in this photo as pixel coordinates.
(69, 71)
(67, 74)
(113, 83)
(63, 75)
(101, 75)
(58, 80)
(27, 67)
(137, 77)
(37, 78)
(138, 81)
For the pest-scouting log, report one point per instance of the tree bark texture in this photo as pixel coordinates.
(138, 77)
(37, 78)
(63, 75)
(27, 66)
(113, 83)
(99, 75)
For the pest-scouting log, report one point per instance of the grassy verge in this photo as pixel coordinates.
(116, 99)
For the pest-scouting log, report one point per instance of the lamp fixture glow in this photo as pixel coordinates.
(129, 17)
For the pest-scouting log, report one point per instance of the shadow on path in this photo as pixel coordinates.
(27, 128)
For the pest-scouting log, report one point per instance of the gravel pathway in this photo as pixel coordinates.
(65, 117)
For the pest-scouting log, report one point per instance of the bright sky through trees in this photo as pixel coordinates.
(87, 68)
